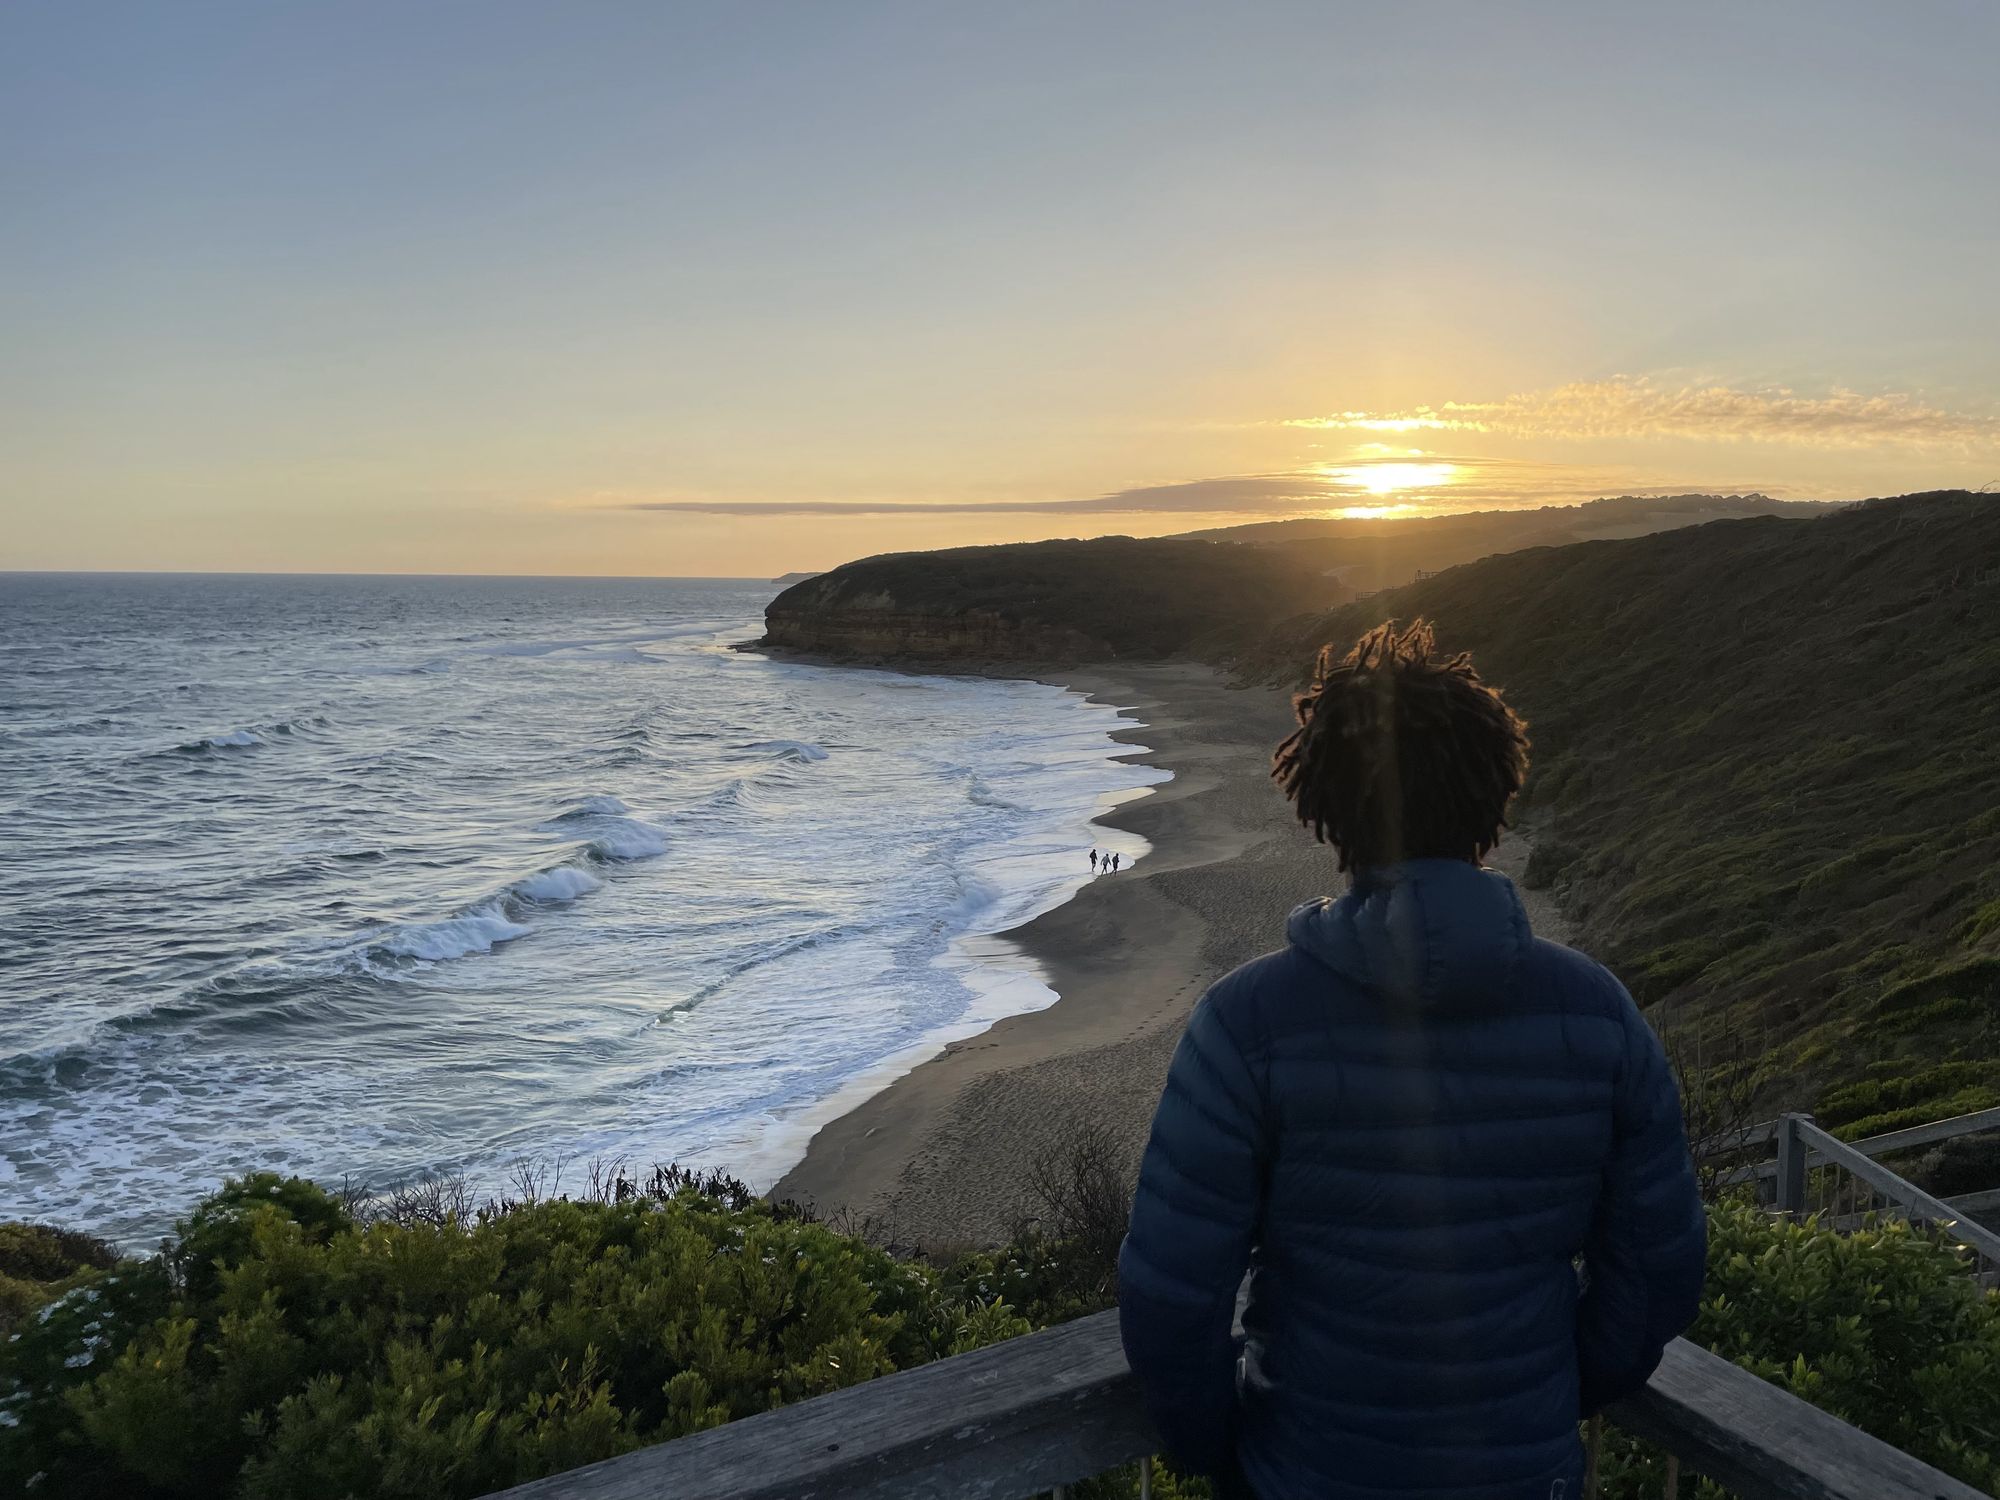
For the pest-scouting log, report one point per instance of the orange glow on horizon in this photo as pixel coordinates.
(1392, 512)
(1392, 478)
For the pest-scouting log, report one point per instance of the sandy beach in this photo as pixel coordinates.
(941, 1156)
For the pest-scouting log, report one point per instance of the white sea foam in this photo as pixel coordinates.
(252, 736)
(476, 931)
(563, 883)
(236, 739)
(628, 838)
(977, 790)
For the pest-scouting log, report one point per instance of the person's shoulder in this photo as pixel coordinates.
(1581, 982)
(1272, 979)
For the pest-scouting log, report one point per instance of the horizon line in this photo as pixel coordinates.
(350, 573)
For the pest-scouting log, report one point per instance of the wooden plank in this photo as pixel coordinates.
(1925, 1135)
(1967, 1205)
(1015, 1419)
(1981, 1206)
(1889, 1185)
(1764, 1443)
(1874, 1145)
(1791, 1197)
(1057, 1406)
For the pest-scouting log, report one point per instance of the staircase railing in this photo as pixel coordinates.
(1815, 1173)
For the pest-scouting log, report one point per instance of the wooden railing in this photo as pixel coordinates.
(1816, 1173)
(1049, 1409)
(1059, 1406)
(1766, 1134)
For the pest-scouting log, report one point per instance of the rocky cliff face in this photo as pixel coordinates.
(1050, 603)
(883, 629)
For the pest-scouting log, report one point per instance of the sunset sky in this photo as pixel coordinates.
(738, 289)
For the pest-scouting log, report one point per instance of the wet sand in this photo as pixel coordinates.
(942, 1156)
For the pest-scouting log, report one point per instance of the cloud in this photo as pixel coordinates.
(1369, 477)
(1249, 493)
(1624, 407)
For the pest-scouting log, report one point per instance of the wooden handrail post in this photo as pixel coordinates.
(1791, 1187)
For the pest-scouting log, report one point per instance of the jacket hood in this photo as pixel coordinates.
(1434, 932)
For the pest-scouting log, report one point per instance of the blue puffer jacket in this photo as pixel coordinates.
(1407, 1126)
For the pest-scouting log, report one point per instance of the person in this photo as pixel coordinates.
(1093, 861)
(1450, 1154)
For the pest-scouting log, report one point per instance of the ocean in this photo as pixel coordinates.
(372, 879)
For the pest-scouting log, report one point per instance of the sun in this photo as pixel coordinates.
(1390, 478)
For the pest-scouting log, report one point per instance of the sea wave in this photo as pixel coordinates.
(627, 839)
(250, 737)
(797, 750)
(235, 739)
(553, 886)
(476, 931)
(781, 949)
(977, 790)
(600, 805)
(614, 834)
(596, 646)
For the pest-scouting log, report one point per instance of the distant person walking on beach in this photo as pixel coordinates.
(1410, 1124)
(1116, 860)
(1093, 861)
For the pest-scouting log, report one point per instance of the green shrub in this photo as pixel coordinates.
(1890, 1098)
(284, 1348)
(1884, 1327)
(281, 1348)
(39, 1262)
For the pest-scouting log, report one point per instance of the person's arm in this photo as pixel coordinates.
(1192, 1222)
(1647, 1253)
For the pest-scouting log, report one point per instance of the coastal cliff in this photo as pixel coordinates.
(890, 631)
(1053, 602)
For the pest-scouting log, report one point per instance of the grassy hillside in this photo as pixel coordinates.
(1122, 597)
(1767, 779)
(1390, 552)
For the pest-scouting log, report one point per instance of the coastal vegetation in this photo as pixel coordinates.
(291, 1345)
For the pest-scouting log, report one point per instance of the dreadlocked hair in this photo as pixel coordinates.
(1401, 753)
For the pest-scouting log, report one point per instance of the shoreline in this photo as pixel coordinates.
(943, 1155)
